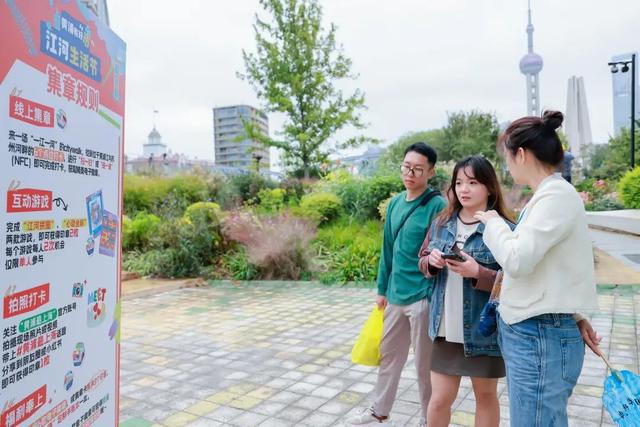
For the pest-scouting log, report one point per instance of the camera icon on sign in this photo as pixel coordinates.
(77, 290)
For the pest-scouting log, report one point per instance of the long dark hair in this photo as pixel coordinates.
(484, 173)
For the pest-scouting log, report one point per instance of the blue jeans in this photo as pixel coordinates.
(543, 356)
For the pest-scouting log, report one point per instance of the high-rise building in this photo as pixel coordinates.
(622, 95)
(232, 148)
(577, 126)
(530, 66)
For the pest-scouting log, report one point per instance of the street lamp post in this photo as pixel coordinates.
(626, 66)
(257, 158)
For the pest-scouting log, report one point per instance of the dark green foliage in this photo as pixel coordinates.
(361, 197)
(611, 160)
(350, 252)
(178, 247)
(243, 188)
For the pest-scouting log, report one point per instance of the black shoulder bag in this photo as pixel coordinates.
(425, 199)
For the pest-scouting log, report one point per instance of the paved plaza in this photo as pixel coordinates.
(278, 354)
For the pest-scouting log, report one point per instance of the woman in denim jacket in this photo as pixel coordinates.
(460, 292)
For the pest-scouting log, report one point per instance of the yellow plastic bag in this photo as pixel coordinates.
(366, 351)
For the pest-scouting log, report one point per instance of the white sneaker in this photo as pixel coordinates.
(368, 417)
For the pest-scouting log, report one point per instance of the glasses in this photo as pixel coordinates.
(416, 172)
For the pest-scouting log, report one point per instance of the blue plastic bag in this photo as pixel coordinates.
(621, 397)
(488, 322)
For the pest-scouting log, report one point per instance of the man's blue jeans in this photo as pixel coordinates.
(543, 356)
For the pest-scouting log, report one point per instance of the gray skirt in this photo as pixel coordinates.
(448, 358)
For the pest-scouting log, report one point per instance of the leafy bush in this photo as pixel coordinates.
(188, 188)
(384, 206)
(353, 197)
(238, 265)
(380, 188)
(320, 207)
(355, 264)
(243, 188)
(165, 197)
(208, 212)
(186, 247)
(629, 189)
(278, 246)
(149, 263)
(294, 189)
(140, 194)
(442, 178)
(361, 197)
(606, 203)
(138, 232)
(271, 200)
(350, 252)
(176, 247)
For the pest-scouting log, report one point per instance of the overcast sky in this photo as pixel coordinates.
(416, 60)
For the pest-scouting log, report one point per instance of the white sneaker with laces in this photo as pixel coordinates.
(369, 417)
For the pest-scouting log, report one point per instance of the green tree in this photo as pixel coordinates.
(469, 133)
(616, 159)
(465, 134)
(391, 159)
(294, 71)
(595, 155)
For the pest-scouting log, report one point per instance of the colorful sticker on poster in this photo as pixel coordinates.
(109, 235)
(95, 208)
(97, 308)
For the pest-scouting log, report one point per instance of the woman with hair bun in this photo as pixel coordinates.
(549, 277)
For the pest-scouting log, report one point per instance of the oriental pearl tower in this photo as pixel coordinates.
(530, 66)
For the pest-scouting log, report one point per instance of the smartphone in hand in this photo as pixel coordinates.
(454, 257)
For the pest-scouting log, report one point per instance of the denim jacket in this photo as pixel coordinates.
(475, 291)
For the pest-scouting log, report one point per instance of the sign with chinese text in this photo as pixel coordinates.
(62, 75)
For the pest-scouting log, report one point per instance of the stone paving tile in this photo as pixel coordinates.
(278, 354)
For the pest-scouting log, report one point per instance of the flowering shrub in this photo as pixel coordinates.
(598, 195)
(279, 246)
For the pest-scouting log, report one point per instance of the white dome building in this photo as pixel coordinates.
(154, 146)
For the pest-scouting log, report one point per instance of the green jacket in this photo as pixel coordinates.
(399, 278)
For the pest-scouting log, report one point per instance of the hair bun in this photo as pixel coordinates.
(552, 119)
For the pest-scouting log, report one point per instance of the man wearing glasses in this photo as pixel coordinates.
(403, 291)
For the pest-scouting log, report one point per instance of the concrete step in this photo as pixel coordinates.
(624, 221)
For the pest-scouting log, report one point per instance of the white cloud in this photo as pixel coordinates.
(416, 60)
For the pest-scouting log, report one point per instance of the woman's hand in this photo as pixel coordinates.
(435, 259)
(468, 268)
(486, 216)
(590, 336)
